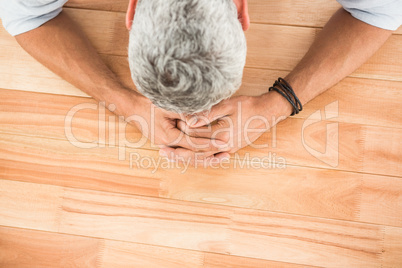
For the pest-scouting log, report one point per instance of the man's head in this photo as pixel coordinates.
(187, 55)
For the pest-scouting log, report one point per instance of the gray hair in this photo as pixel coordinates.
(187, 55)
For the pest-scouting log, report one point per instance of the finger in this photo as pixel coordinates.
(174, 115)
(220, 131)
(218, 111)
(180, 139)
(199, 132)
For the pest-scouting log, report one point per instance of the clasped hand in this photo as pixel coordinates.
(211, 136)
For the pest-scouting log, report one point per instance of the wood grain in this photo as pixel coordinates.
(360, 146)
(290, 44)
(26, 248)
(229, 261)
(105, 5)
(307, 191)
(33, 206)
(366, 105)
(393, 247)
(65, 206)
(123, 254)
(111, 38)
(297, 190)
(313, 13)
(213, 228)
(381, 197)
(292, 189)
(305, 241)
(29, 248)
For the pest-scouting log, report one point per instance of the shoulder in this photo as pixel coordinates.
(386, 14)
(20, 16)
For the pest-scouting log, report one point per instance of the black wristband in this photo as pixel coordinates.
(283, 88)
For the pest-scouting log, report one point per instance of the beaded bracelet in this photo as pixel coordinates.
(283, 88)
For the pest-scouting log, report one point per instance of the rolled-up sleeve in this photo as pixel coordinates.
(385, 14)
(20, 16)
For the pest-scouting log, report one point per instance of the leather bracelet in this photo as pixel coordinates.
(283, 88)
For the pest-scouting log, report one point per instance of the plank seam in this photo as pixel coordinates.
(203, 259)
(383, 246)
(362, 143)
(358, 200)
(60, 208)
(101, 253)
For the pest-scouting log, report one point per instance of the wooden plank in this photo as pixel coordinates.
(29, 75)
(365, 106)
(341, 195)
(381, 197)
(392, 248)
(229, 261)
(144, 220)
(306, 241)
(345, 148)
(30, 248)
(360, 100)
(280, 53)
(360, 146)
(287, 190)
(171, 224)
(313, 13)
(122, 254)
(291, 43)
(105, 5)
(215, 228)
(165, 221)
(27, 248)
(108, 35)
(61, 163)
(384, 150)
(33, 206)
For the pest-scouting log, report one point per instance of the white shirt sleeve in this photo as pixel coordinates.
(20, 16)
(385, 14)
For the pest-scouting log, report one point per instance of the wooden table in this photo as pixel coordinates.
(62, 205)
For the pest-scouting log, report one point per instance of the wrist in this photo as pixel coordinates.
(275, 105)
(299, 83)
(124, 102)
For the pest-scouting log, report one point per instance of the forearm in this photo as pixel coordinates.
(63, 48)
(341, 47)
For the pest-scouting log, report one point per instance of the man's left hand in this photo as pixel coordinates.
(236, 122)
